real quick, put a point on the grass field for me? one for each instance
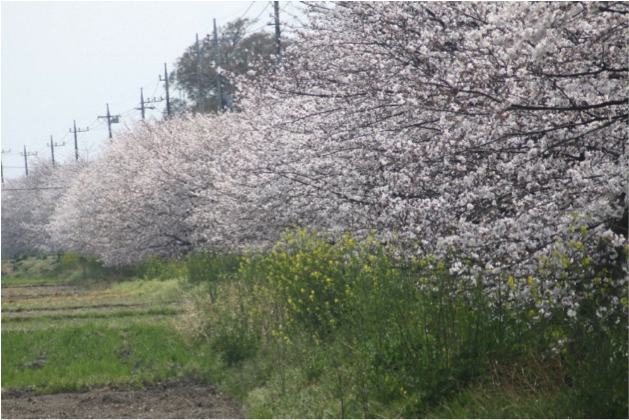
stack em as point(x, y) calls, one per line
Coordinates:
point(70, 335)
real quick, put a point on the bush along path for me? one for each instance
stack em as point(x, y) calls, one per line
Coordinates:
point(336, 327)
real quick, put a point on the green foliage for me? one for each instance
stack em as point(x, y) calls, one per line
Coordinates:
point(223, 322)
point(69, 260)
point(24, 255)
point(398, 326)
point(13, 271)
point(210, 266)
point(237, 50)
point(154, 268)
point(234, 342)
point(356, 330)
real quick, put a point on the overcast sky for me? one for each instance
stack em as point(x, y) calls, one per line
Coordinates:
point(64, 61)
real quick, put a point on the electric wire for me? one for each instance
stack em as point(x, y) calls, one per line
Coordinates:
point(247, 11)
point(255, 20)
point(99, 124)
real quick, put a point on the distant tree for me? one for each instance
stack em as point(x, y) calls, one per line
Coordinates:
point(238, 50)
point(161, 189)
point(28, 203)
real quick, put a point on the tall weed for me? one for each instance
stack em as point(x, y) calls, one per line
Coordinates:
point(360, 331)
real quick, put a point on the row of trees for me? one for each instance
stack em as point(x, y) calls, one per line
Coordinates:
point(495, 130)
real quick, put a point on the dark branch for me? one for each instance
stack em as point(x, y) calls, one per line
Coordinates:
point(571, 108)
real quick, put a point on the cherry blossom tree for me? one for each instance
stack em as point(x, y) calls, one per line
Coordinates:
point(29, 202)
point(162, 188)
point(484, 127)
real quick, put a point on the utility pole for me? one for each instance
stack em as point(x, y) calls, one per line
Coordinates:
point(148, 101)
point(278, 44)
point(26, 155)
point(111, 119)
point(200, 100)
point(165, 79)
point(2, 165)
point(76, 143)
point(52, 149)
point(217, 62)
point(142, 101)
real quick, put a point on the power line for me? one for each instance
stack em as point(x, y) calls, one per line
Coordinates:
point(253, 31)
point(129, 112)
point(247, 11)
point(96, 121)
point(263, 10)
point(64, 136)
point(97, 124)
point(156, 87)
point(231, 15)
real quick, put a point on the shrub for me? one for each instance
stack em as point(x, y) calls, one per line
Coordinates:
point(69, 260)
point(394, 324)
point(154, 268)
point(210, 266)
point(372, 333)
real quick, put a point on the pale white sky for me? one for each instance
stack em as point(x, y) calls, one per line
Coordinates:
point(64, 61)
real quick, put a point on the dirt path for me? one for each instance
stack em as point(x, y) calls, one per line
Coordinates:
point(176, 400)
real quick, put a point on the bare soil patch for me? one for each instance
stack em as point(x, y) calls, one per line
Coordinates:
point(176, 400)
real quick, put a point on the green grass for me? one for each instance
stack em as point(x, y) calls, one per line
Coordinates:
point(21, 307)
point(33, 281)
point(494, 403)
point(71, 359)
point(67, 315)
point(15, 272)
point(100, 331)
point(110, 323)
